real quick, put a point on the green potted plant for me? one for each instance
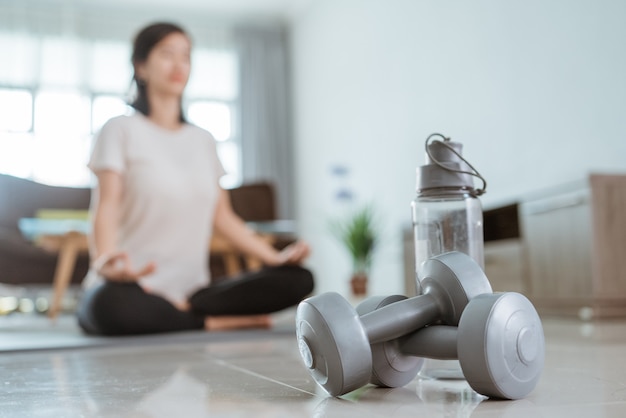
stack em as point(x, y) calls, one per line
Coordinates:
point(359, 236)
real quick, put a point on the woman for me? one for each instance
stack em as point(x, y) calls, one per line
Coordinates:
point(156, 205)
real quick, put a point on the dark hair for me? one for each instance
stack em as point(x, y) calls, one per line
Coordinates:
point(144, 42)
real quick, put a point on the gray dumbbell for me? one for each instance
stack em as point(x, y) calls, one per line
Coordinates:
point(334, 341)
point(499, 342)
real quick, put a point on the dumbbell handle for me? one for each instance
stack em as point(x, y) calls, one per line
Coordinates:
point(436, 342)
point(400, 318)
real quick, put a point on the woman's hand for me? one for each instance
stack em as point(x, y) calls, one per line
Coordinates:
point(295, 253)
point(234, 229)
point(117, 267)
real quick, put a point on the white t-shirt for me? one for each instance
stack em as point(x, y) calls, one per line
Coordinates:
point(170, 190)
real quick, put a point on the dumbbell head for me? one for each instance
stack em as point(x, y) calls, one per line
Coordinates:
point(453, 279)
point(333, 344)
point(501, 345)
point(499, 342)
point(390, 366)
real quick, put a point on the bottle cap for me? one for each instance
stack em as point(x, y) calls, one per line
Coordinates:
point(445, 167)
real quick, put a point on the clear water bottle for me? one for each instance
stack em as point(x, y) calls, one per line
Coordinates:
point(447, 216)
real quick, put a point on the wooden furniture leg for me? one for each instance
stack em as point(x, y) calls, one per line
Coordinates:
point(253, 263)
point(68, 251)
point(232, 257)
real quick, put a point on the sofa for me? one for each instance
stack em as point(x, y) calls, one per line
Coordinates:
point(23, 263)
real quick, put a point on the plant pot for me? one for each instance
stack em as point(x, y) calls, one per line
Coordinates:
point(358, 283)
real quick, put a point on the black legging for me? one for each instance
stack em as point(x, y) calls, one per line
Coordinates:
point(114, 308)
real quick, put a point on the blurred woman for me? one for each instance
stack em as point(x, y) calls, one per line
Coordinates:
point(156, 205)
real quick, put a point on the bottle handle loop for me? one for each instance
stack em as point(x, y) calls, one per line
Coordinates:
point(474, 172)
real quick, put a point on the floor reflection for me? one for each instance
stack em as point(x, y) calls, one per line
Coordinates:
point(584, 376)
point(449, 398)
point(181, 393)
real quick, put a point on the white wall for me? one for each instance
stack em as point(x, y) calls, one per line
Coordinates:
point(535, 89)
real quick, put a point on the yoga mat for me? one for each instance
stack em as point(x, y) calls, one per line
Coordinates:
point(22, 333)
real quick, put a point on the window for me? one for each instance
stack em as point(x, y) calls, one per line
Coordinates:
point(104, 107)
point(217, 118)
point(214, 75)
point(16, 108)
point(61, 113)
point(59, 92)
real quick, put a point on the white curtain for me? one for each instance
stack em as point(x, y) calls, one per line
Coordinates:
point(265, 118)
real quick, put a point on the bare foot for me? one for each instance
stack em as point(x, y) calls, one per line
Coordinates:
point(183, 306)
point(224, 323)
